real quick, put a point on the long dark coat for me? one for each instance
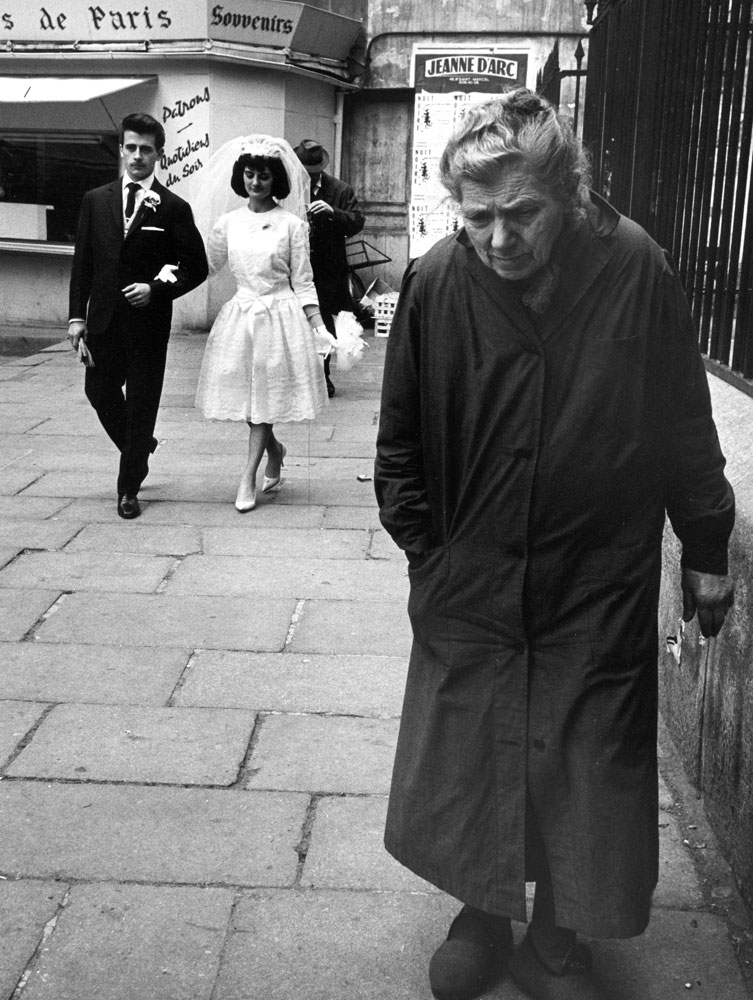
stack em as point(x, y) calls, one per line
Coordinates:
point(327, 237)
point(525, 463)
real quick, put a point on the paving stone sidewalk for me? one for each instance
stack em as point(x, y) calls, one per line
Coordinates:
point(198, 717)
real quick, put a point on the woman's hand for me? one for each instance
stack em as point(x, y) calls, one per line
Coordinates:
point(76, 332)
point(325, 342)
point(709, 595)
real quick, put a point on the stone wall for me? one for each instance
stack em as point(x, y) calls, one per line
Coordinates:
point(707, 697)
point(393, 28)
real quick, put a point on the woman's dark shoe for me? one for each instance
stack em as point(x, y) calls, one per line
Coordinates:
point(573, 982)
point(473, 957)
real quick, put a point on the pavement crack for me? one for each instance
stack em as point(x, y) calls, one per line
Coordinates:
point(33, 482)
point(303, 845)
point(47, 932)
point(245, 771)
point(229, 931)
point(27, 738)
point(370, 547)
point(295, 619)
point(29, 635)
point(179, 684)
point(173, 569)
point(18, 458)
point(74, 536)
point(14, 558)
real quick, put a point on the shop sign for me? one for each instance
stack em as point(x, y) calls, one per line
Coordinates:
point(61, 21)
point(261, 22)
point(264, 23)
point(279, 24)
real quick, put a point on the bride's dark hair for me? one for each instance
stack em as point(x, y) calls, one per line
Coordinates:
point(280, 182)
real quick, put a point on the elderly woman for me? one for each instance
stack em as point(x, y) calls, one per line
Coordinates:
point(544, 403)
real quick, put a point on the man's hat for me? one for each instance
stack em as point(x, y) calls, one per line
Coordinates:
point(312, 155)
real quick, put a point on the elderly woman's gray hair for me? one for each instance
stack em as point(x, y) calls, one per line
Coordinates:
point(520, 125)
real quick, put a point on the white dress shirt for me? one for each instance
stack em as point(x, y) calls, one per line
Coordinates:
point(144, 186)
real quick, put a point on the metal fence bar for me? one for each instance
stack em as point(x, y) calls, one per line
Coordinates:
point(727, 264)
point(664, 139)
point(669, 123)
point(742, 355)
point(703, 286)
point(675, 168)
point(687, 259)
point(631, 144)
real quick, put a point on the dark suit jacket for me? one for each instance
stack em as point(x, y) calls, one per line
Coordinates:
point(327, 236)
point(104, 262)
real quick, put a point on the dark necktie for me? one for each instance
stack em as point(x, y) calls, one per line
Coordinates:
point(131, 200)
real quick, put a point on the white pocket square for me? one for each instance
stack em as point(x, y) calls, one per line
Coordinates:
point(152, 229)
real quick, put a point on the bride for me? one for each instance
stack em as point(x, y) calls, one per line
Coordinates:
point(261, 363)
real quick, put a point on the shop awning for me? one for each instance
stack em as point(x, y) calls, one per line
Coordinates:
point(72, 89)
point(290, 34)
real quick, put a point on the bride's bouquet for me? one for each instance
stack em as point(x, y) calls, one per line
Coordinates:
point(350, 343)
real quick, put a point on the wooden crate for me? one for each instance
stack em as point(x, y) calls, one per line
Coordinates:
point(384, 310)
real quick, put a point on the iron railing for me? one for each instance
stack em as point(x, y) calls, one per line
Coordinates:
point(668, 121)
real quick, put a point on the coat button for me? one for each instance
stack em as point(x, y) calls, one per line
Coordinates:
point(539, 745)
point(523, 453)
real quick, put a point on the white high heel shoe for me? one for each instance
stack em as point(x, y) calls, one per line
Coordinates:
point(270, 483)
point(244, 504)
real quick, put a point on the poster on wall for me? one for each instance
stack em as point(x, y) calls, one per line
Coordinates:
point(447, 82)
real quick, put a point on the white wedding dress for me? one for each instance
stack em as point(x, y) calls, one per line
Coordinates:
point(260, 362)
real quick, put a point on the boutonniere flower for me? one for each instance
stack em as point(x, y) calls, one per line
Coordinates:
point(151, 200)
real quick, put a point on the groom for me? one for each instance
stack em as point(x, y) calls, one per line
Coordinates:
point(137, 249)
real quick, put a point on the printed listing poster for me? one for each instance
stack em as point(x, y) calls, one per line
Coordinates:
point(447, 82)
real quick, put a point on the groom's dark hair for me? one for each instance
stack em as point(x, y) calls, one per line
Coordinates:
point(143, 124)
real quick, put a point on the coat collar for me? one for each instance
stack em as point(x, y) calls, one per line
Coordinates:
point(581, 253)
point(326, 182)
point(503, 293)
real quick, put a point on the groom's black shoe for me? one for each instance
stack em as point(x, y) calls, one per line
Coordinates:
point(128, 507)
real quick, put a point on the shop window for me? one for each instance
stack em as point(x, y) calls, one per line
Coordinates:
point(43, 178)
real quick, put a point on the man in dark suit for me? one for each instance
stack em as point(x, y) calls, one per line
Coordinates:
point(334, 216)
point(137, 249)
